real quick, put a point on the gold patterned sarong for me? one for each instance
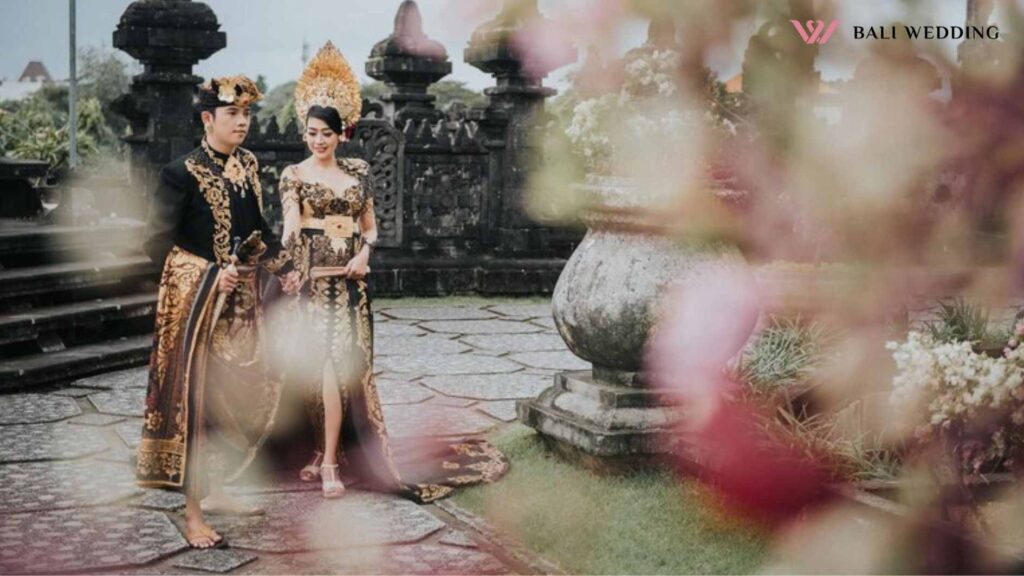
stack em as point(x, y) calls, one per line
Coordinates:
point(211, 400)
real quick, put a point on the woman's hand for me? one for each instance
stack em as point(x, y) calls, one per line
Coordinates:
point(291, 283)
point(358, 266)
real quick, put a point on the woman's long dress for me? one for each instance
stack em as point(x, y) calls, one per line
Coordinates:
point(337, 322)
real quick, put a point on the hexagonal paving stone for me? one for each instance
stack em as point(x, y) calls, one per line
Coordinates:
point(490, 386)
point(157, 499)
point(79, 540)
point(491, 353)
point(265, 485)
point(94, 419)
point(50, 485)
point(219, 561)
point(119, 454)
point(546, 323)
point(446, 364)
point(131, 432)
point(300, 521)
point(438, 313)
point(416, 345)
point(504, 410)
point(523, 310)
point(389, 329)
point(404, 421)
point(516, 342)
point(481, 327)
point(456, 402)
point(122, 402)
point(401, 392)
point(36, 408)
point(30, 442)
point(551, 360)
point(131, 378)
point(74, 392)
point(458, 538)
point(414, 559)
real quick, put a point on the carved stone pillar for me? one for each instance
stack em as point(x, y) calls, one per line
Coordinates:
point(514, 103)
point(168, 37)
point(408, 62)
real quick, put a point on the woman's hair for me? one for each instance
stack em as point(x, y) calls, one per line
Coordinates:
point(330, 117)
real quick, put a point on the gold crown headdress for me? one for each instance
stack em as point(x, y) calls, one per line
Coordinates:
point(328, 81)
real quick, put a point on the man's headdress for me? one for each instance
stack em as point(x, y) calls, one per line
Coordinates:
point(228, 91)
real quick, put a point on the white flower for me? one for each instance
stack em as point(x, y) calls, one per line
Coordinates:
point(957, 385)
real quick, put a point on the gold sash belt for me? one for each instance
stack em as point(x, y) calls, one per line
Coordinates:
point(334, 226)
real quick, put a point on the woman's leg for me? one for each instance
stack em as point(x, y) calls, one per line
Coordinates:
point(332, 414)
point(334, 408)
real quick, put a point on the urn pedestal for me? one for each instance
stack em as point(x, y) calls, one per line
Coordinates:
point(605, 306)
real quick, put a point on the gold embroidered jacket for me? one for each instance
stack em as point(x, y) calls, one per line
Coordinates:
point(203, 201)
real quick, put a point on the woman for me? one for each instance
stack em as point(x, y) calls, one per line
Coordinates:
point(330, 229)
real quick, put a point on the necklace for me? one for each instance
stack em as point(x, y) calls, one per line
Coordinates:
point(235, 173)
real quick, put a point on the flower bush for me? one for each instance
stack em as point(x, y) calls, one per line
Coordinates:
point(648, 105)
point(973, 400)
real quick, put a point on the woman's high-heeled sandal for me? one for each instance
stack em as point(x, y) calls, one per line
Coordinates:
point(311, 472)
point(332, 486)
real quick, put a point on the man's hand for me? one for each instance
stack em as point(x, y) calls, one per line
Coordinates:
point(291, 282)
point(228, 280)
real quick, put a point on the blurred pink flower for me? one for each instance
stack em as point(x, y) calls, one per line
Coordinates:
point(706, 322)
point(755, 474)
point(542, 46)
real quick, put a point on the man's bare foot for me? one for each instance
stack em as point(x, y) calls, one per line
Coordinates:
point(200, 535)
point(226, 505)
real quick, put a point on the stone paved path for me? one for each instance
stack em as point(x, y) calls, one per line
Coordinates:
point(68, 502)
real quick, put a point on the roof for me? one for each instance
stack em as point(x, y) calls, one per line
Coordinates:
point(734, 84)
point(35, 71)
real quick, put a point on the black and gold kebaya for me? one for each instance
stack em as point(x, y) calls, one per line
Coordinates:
point(336, 324)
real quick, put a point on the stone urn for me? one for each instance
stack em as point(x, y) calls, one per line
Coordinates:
point(605, 306)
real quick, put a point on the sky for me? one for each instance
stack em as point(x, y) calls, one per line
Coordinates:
point(266, 36)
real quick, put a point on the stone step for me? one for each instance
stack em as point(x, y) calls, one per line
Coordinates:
point(58, 367)
point(18, 282)
point(19, 238)
point(28, 325)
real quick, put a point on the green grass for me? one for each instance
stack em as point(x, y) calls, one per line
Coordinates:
point(960, 321)
point(646, 523)
point(785, 353)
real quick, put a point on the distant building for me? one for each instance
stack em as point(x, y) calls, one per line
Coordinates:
point(31, 79)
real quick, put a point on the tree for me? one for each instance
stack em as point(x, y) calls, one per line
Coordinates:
point(261, 85)
point(374, 90)
point(279, 104)
point(36, 127)
point(448, 91)
point(105, 77)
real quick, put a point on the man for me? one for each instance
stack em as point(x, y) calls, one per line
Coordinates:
point(211, 399)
